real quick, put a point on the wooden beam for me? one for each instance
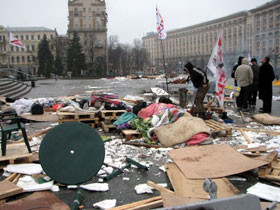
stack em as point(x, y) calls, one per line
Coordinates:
point(273, 133)
point(243, 117)
point(138, 203)
point(245, 136)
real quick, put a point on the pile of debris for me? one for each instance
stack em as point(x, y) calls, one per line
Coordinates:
point(143, 141)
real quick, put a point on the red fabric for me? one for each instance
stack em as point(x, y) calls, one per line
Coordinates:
point(198, 138)
point(94, 98)
point(153, 109)
point(57, 106)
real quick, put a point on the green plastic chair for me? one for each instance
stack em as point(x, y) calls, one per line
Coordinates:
point(7, 128)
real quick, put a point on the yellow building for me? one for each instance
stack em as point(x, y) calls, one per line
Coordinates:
point(88, 19)
point(24, 58)
point(254, 32)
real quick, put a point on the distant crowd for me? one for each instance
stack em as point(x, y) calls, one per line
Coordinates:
point(254, 80)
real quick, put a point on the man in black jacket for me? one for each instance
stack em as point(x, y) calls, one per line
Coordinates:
point(266, 77)
point(235, 67)
point(200, 81)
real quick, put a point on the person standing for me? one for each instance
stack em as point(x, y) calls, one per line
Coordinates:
point(244, 78)
point(266, 77)
point(200, 81)
point(235, 67)
point(254, 87)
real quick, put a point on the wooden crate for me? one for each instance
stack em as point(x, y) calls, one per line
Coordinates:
point(107, 128)
point(15, 153)
point(217, 127)
point(88, 118)
point(131, 134)
point(112, 114)
point(74, 116)
point(272, 170)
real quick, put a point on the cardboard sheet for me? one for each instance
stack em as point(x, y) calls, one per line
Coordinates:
point(194, 188)
point(38, 200)
point(46, 117)
point(212, 161)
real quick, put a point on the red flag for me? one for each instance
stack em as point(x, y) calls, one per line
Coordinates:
point(15, 41)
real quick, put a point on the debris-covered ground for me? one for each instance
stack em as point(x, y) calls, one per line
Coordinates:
point(130, 185)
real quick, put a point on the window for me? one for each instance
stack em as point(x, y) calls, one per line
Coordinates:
point(51, 36)
point(84, 9)
point(23, 59)
point(13, 59)
point(22, 37)
point(22, 49)
point(27, 48)
point(32, 37)
point(28, 59)
point(17, 59)
point(33, 48)
point(39, 37)
point(0, 37)
point(12, 49)
point(27, 37)
point(76, 12)
point(17, 49)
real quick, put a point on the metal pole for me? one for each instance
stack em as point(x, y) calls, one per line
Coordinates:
point(163, 58)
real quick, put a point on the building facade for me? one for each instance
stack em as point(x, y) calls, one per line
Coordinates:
point(253, 33)
point(88, 18)
point(24, 58)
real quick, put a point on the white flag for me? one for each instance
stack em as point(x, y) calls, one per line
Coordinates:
point(15, 41)
point(216, 65)
point(160, 26)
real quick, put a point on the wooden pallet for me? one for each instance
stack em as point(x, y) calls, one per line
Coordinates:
point(112, 114)
point(76, 116)
point(107, 128)
point(131, 134)
point(217, 127)
point(15, 153)
point(272, 170)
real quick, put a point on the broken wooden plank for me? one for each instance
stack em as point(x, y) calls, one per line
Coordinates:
point(273, 133)
point(143, 145)
point(131, 134)
point(158, 187)
point(138, 203)
point(243, 117)
point(246, 136)
point(8, 189)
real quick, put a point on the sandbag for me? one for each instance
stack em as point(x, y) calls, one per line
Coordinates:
point(182, 130)
point(267, 119)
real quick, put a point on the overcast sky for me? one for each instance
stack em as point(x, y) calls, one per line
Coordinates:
point(128, 19)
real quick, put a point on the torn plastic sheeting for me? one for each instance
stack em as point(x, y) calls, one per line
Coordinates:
point(29, 185)
point(266, 192)
point(28, 168)
point(98, 187)
point(106, 204)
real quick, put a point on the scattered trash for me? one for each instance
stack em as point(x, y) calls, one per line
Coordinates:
point(106, 204)
point(98, 187)
point(143, 188)
point(265, 191)
point(28, 168)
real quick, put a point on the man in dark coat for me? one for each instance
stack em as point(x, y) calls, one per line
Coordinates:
point(254, 88)
point(266, 77)
point(200, 81)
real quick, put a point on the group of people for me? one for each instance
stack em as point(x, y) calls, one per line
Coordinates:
point(254, 80)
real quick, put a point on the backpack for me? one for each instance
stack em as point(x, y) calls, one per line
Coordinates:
point(37, 109)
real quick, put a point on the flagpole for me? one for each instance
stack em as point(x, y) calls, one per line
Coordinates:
point(164, 67)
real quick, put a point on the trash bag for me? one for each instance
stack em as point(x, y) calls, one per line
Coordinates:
point(137, 108)
point(37, 109)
